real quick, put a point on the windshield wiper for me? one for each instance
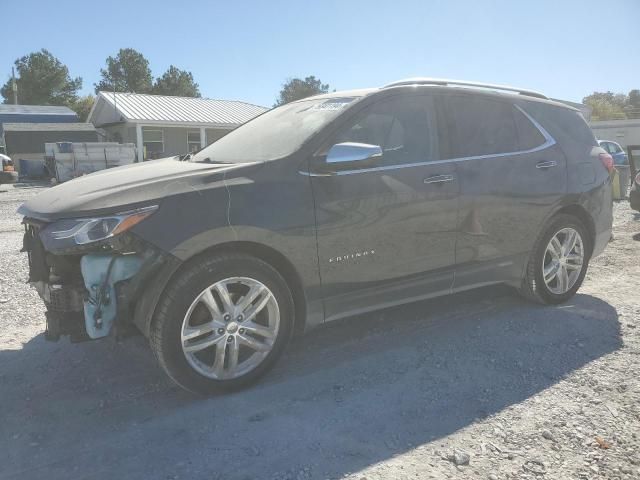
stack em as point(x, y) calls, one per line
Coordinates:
point(217, 162)
point(189, 157)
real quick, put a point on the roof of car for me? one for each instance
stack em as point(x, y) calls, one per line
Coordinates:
point(447, 82)
point(501, 91)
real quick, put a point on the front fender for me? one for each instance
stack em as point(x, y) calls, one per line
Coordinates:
point(298, 248)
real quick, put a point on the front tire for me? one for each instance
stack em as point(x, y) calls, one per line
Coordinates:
point(222, 323)
point(558, 264)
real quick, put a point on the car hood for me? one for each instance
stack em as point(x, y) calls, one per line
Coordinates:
point(118, 189)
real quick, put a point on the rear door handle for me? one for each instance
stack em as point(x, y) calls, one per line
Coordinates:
point(545, 165)
point(439, 179)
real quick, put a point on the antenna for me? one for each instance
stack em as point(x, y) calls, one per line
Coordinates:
point(14, 86)
point(115, 101)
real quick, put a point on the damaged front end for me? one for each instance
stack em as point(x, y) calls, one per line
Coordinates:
point(90, 272)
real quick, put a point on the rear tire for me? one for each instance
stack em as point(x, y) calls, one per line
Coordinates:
point(222, 323)
point(554, 274)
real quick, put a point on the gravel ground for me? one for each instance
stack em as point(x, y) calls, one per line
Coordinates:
point(480, 385)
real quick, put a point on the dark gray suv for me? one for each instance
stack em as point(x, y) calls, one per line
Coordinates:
point(320, 209)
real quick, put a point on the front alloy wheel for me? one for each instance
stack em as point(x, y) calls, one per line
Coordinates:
point(230, 328)
point(222, 322)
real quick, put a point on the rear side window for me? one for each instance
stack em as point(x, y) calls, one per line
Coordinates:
point(564, 125)
point(480, 126)
point(575, 126)
point(529, 136)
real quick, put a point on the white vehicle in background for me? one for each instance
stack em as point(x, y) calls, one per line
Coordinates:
point(7, 170)
point(66, 160)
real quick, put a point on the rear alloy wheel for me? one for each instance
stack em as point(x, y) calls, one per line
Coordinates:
point(222, 323)
point(563, 261)
point(558, 263)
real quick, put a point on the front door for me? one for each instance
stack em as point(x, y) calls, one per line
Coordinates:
point(386, 234)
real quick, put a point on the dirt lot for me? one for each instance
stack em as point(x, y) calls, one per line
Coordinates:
point(480, 385)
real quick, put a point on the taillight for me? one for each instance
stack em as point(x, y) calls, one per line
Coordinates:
point(638, 179)
point(607, 161)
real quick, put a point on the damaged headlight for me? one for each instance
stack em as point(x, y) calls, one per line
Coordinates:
point(68, 233)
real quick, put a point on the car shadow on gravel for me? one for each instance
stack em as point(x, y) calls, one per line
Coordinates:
point(343, 398)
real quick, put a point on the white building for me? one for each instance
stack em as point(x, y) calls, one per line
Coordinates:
point(163, 126)
point(624, 132)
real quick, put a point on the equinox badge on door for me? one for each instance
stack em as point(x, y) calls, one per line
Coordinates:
point(351, 256)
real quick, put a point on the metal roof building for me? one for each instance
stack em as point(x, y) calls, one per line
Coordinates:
point(163, 125)
point(26, 140)
point(48, 127)
point(24, 129)
point(36, 114)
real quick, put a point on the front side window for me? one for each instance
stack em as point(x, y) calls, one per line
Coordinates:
point(480, 126)
point(404, 127)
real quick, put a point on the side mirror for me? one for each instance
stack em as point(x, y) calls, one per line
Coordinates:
point(351, 156)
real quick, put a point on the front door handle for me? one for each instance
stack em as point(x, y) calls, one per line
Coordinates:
point(545, 165)
point(439, 179)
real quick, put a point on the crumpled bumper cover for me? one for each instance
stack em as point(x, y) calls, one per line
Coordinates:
point(101, 272)
point(90, 294)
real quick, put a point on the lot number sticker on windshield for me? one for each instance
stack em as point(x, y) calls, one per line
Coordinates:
point(333, 104)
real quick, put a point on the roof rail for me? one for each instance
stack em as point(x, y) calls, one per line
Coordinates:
point(445, 82)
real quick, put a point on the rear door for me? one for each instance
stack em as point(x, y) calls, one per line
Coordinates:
point(511, 175)
point(386, 234)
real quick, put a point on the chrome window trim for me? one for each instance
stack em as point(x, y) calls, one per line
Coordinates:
point(549, 141)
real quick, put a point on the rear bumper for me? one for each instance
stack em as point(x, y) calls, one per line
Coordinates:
point(601, 241)
point(601, 207)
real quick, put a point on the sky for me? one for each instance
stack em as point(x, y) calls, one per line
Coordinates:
point(246, 50)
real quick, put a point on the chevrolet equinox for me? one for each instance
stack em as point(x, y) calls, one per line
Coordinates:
point(320, 209)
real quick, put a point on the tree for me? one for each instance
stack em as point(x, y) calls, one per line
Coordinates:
point(83, 106)
point(127, 72)
point(176, 82)
point(606, 105)
point(295, 89)
point(42, 80)
point(604, 110)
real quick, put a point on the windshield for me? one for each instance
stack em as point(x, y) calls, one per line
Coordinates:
point(276, 133)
